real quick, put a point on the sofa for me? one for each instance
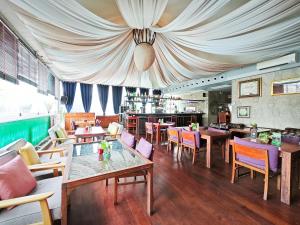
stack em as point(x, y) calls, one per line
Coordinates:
point(27, 209)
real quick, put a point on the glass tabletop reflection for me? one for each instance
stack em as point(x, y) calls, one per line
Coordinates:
point(85, 162)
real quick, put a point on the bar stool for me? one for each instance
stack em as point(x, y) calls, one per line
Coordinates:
point(132, 123)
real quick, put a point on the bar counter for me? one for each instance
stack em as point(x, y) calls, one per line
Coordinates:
point(182, 119)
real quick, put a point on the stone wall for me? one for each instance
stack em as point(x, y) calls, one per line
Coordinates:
point(267, 110)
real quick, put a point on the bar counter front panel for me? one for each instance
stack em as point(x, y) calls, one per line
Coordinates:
point(182, 119)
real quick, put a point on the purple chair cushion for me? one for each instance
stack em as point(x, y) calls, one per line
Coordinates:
point(128, 139)
point(188, 142)
point(216, 130)
point(272, 152)
point(145, 148)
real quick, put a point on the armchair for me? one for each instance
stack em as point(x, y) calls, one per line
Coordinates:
point(43, 203)
point(64, 140)
point(41, 198)
point(36, 163)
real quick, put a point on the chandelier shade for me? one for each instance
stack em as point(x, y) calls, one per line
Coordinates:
point(144, 54)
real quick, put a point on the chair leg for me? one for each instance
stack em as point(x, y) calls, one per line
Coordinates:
point(278, 182)
point(116, 191)
point(251, 174)
point(194, 155)
point(106, 182)
point(266, 186)
point(233, 173)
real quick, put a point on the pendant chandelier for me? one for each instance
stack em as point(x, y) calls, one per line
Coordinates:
point(144, 54)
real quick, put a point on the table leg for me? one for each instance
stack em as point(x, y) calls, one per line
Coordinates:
point(286, 178)
point(227, 151)
point(64, 205)
point(158, 135)
point(77, 139)
point(208, 152)
point(150, 191)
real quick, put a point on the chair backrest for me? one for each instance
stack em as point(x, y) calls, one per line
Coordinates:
point(52, 131)
point(174, 134)
point(149, 128)
point(152, 119)
point(271, 151)
point(216, 130)
point(145, 148)
point(190, 138)
point(128, 139)
point(6, 156)
point(120, 127)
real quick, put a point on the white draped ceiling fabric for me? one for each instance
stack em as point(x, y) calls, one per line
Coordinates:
point(200, 41)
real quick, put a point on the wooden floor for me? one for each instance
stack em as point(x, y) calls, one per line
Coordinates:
point(184, 194)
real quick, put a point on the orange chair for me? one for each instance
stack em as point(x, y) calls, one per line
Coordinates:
point(173, 138)
point(190, 140)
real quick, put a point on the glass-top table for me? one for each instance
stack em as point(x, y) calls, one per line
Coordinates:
point(83, 167)
point(85, 163)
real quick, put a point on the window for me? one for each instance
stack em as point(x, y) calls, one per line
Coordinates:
point(8, 52)
point(27, 65)
point(42, 78)
point(51, 84)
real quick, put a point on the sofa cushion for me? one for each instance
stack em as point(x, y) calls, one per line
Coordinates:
point(29, 154)
point(145, 148)
point(15, 179)
point(31, 212)
point(112, 129)
point(128, 139)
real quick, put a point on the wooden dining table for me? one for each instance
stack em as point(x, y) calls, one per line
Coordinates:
point(289, 153)
point(211, 137)
point(92, 132)
point(158, 127)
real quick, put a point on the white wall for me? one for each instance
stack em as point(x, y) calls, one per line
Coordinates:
point(269, 111)
point(25, 100)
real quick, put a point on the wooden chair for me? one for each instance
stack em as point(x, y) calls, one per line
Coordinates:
point(256, 157)
point(150, 131)
point(193, 119)
point(190, 140)
point(173, 138)
point(144, 148)
point(41, 198)
point(131, 123)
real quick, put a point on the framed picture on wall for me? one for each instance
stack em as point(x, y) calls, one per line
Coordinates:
point(243, 111)
point(250, 88)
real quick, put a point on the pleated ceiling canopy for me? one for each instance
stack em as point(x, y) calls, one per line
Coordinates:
point(91, 41)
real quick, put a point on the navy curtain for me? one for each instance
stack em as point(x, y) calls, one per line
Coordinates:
point(86, 96)
point(69, 89)
point(117, 97)
point(103, 96)
point(156, 92)
point(144, 91)
point(130, 90)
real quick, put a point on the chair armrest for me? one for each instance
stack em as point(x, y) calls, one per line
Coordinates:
point(23, 200)
point(54, 150)
point(46, 166)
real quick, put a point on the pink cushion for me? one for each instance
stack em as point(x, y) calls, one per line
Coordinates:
point(145, 148)
point(15, 179)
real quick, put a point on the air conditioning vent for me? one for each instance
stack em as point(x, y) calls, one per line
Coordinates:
point(287, 59)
